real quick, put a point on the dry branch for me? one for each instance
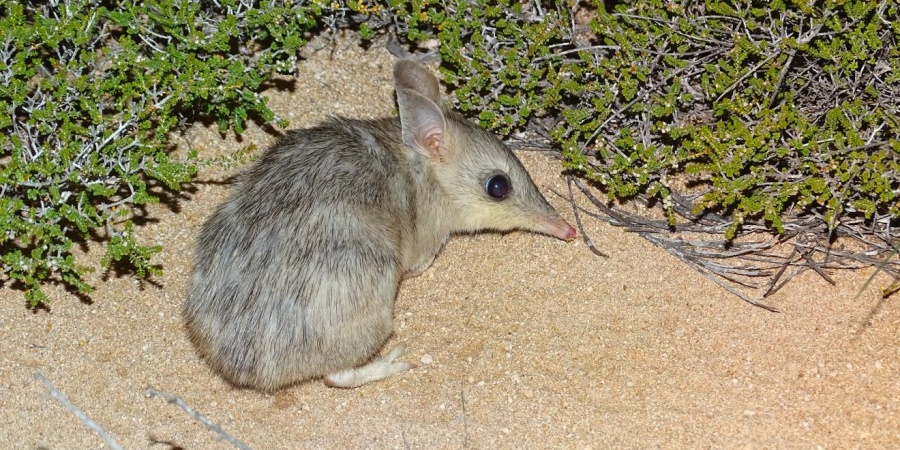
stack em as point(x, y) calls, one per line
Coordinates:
point(59, 396)
point(197, 416)
point(757, 264)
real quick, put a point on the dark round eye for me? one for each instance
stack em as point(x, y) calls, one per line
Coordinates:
point(497, 186)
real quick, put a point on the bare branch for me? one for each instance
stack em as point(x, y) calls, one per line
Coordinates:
point(150, 392)
point(59, 396)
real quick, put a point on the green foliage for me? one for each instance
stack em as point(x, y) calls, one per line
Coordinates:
point(771, 109)
point(90, 91)
point(766, 110)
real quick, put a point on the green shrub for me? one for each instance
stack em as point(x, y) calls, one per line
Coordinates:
point(737, 117)
point(758, 112)
point(90, 91)
point(773, 108)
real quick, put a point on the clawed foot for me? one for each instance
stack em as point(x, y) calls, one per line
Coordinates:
point(376, 370)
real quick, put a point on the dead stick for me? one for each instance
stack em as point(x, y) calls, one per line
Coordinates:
point(110, 442)
point(197, 416)
point(462, 396)
point(778, 275)
point(815, 266)
point(786, 280)
point(587, 239)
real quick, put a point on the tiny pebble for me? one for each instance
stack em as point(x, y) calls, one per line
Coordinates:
point(427, 359)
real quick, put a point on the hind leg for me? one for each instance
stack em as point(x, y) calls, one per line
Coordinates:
point(375, 370)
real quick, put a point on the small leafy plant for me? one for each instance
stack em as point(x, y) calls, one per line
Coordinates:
point(89, 92)
point(749, 116)
point(775, 106)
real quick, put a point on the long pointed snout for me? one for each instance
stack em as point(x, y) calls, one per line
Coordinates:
point(555, 226)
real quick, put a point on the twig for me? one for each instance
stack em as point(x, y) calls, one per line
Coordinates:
point(815, 266)
point(784, 71)
point(744, 76)
point(717, 279)
point(754, 256)
point(197, 416)
point(462, 396)
point(584, 236)
point(55, 393)
point(771, 289)
point(403, 435)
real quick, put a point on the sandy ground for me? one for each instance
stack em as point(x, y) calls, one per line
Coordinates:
point(522, 341)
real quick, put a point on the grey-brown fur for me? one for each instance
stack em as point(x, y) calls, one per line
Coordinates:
point(295, 275)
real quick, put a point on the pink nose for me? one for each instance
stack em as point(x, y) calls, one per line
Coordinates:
point(569, 235)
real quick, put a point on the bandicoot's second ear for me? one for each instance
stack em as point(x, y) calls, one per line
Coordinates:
point(421, 122)
point(411, 75)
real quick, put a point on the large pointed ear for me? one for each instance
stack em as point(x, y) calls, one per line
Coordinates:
point(411, 75)
point(421, 122)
